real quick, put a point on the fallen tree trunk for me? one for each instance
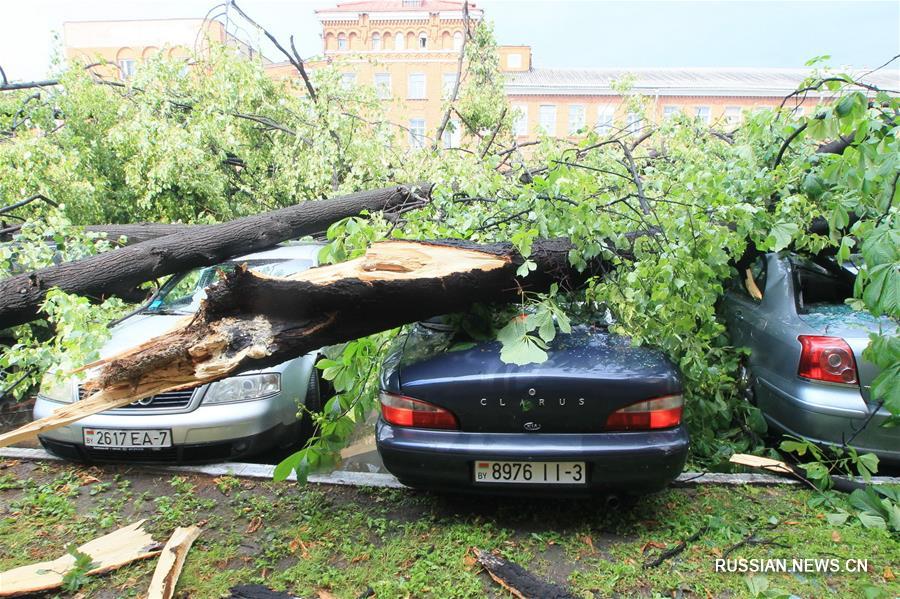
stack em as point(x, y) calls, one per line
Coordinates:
point(250, 321)
point(119, 271)
point(140, 232)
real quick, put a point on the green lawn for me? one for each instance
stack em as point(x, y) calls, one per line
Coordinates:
point(340, 541)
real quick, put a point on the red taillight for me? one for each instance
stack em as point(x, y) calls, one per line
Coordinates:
point(827, 359)
point(400, 410)
point(662, 412)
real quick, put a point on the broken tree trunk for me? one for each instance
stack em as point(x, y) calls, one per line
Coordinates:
point(119, 271)
point(250, 321)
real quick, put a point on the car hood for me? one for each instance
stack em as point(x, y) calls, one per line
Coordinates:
point(137, 329)
point(588, 374)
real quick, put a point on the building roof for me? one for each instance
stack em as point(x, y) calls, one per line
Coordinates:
point(398, 6)
point(763, 82)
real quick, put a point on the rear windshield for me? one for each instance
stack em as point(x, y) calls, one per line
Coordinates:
point(819, 284)
point(182, 294)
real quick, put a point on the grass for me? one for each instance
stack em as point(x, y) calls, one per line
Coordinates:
point(312, 540)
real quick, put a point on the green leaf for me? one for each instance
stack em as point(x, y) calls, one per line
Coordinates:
point(287, 465)
point(837, 518)
point(870, 520)
point(526, 350)
point(780, 235)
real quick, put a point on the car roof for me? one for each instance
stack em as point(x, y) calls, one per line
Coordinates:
point(286, 251)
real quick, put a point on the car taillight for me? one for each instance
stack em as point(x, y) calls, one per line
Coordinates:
point(400, 410)
point(827, 359)
point(662, 412)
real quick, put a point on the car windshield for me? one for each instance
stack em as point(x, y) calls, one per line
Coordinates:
point(182, 294)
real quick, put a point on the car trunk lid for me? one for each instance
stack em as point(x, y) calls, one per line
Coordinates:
point(589, 374)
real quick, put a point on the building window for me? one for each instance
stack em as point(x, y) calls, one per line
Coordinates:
point(448, 83)
point(576, 118)
point(399, 41)
point(127, 67)
point(605, 114)
point(417, 133)
point(412, 3)
point(670, 112)
point(383, 85)
point(423, 40)
point(342, 41)
point(633, 122)
point(514, 61)
point(547, 118)
point(733, 115)
point(416, 86)
point(702, 113)
point(347, 80)
point(376, 41)
point(457, 40)
point(452, 135)
point(520, 126)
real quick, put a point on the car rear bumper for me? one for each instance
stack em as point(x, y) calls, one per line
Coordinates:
point(829, 415)
point(632, 462)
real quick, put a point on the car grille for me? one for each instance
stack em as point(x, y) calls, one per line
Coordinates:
point(167, 400)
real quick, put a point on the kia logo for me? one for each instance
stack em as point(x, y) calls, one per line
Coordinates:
point(532, 426)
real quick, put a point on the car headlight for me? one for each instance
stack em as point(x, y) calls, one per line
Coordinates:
point(243, 388)
point(57, 388)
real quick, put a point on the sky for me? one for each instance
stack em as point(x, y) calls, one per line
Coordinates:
point(562, 33)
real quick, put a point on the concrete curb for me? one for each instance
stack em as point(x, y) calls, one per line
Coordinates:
point(382, 480)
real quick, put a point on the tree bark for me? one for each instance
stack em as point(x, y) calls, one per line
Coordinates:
point(118, 272)
point(249, 322)
point(140, 232)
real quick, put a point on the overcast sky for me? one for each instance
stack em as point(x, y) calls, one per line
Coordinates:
point(563, 33)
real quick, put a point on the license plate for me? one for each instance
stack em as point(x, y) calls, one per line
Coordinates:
point(127, 438)
point(542, 473)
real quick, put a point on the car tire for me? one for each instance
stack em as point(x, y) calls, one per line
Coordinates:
point(312, 403)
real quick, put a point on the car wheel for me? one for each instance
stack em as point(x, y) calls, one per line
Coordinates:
point(312, 403)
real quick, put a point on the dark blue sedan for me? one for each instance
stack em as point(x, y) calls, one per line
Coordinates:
point(598, 416)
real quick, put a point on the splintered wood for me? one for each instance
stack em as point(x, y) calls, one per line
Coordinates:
point(107, 553)
point(171, 561)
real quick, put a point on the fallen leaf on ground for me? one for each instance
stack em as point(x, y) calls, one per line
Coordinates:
point(650, 544)
point(888, 573)
point(254, 525)
point(835, 536)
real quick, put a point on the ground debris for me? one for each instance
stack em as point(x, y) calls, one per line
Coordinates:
point(517, 580)
point(257, 591)
point(107, 553)
point(171, 561)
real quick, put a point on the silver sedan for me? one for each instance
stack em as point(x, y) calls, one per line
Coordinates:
point(806, 372)
point(232, 418)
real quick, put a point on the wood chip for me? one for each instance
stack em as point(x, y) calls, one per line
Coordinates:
point(108, 552)
point(168, 569)
point(755, 461)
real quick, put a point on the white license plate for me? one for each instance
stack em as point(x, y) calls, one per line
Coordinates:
point(127, 438)
point(541, 473)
